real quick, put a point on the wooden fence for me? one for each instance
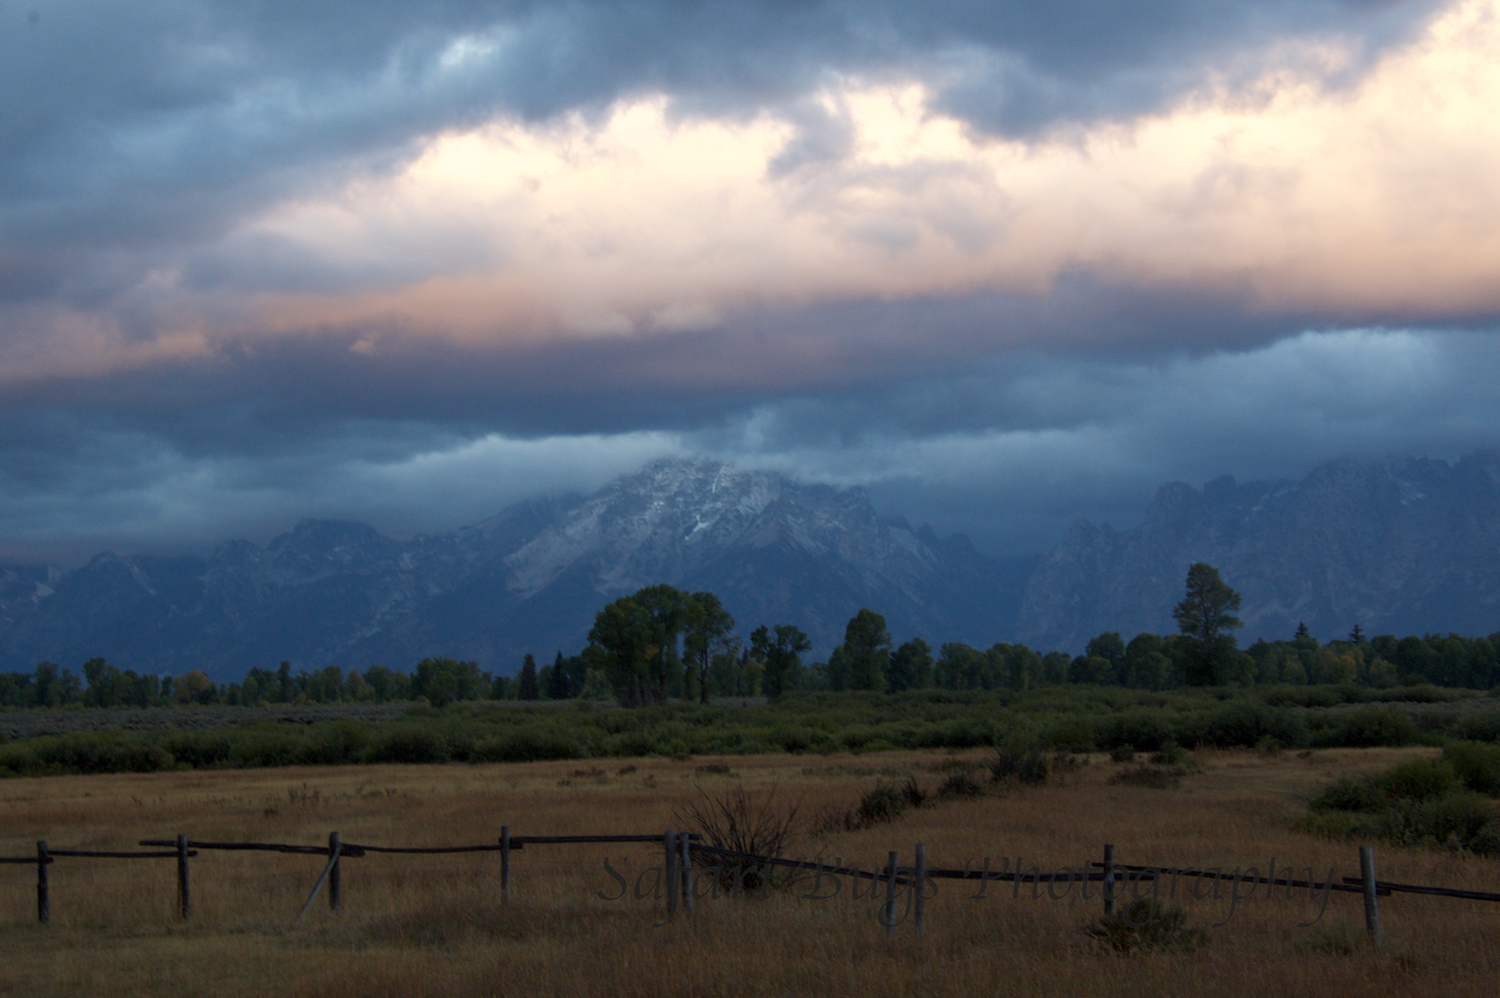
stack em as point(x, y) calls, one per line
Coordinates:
point(679, 874)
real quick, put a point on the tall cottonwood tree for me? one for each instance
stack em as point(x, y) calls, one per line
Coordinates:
point(638, 637)
point(860, 662)
point(910, 666)
point(781, 650)
point(708, 627)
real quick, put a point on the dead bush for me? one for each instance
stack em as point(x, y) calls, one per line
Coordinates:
point(741, 822)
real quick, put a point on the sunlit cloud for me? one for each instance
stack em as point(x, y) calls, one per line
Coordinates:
point(1380, 199)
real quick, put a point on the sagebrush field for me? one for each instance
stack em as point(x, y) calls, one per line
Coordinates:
point(420, 925)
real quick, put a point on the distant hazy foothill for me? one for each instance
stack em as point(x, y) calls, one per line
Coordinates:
point(1400, 547)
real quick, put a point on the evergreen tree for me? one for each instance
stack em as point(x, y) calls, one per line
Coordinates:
point(1206, 618)
point(526, 688)
point(559, 687)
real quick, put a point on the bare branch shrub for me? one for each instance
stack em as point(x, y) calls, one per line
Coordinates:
point(741, 822)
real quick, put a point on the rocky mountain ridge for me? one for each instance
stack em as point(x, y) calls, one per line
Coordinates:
point(529, 579)
point(1404, 546)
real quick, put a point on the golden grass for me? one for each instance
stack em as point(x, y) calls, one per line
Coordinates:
point(434, 925)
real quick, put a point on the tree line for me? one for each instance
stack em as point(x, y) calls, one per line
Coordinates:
point(662, 643)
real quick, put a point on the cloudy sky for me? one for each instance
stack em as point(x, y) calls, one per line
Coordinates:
point(1004, 263)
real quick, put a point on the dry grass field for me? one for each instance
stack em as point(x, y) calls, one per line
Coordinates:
point(428, 925)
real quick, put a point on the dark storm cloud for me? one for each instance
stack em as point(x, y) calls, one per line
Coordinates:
point(139, 125)
point(134, 137)
point(1016, 448)
point(255, 392)
point(835, 371)
point(1008, 449)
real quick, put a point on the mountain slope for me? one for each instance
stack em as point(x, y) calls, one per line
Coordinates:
point(1400, 547)
point(529, 579)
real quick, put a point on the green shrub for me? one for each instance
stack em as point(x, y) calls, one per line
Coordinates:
point(1415, 803)
point(334, 743)
point(200, 749)
point(1138, 727)
point(1486, 842)
point(796, 740)
point(884, 803)
point(1476, 764)
point(1483, 727)
point(632, 743)
point(1170, 754)
point(87, 752)
point(265, 745)
point(1453, 820)
point(1122, 753)
point(1017, 764)
point(1350, 793)
point(1310, 696)
point(1376, 724)
point(408, 744)
point(1418, 780)
point(1245, 724)
point(527, 746)
point(1420, 693)
point(1458, 816)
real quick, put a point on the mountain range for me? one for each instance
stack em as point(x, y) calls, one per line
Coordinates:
point(1399, 546)
point(1403, 546)
point(528, 580)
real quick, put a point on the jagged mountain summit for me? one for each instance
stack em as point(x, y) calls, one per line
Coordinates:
point(529, 579)
point(1399, 547)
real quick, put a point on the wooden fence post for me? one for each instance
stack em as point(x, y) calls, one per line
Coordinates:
point(43, 901)
point(918, 901)
point(183, 902)
point(333, 859)
point(1372, 907)
point(1109, 879)
point(685, 866)
point(669, 874)
point(505, 864)
point(890, 896)
point(333, 874)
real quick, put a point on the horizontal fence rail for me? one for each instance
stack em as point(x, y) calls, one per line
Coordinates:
point(344, 850)
point(1156, 872)
point(679, 850)
point(1386, 887)
point(809, 865)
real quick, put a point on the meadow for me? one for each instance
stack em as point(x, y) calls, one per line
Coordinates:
point(1074, 717)
point(435, 925)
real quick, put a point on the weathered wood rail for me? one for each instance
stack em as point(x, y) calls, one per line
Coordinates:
point(679, 873)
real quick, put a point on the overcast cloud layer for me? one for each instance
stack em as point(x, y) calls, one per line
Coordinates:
point(1006, 264)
